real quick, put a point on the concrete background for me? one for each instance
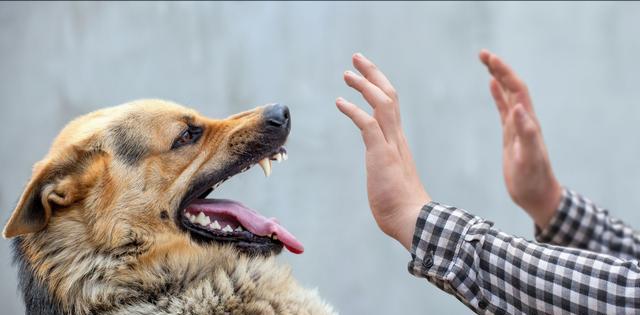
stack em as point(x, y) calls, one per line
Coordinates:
point(60, 60)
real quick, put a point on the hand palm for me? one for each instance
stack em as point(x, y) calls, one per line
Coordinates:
point(526, 169)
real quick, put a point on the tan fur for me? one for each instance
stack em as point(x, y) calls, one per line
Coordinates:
point(92, 226)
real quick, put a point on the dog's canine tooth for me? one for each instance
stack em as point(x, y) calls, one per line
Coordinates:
point(278, 157)
point(284, 156)
point(227, 229)
point(266, 166)
point(191, 217)
point(215, 225)
point(274, 236)
point(239, 229)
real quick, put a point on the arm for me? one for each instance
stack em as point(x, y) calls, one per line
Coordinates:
point(579, 223)
point(561, 217)
point(460, 253)
point(495, 273)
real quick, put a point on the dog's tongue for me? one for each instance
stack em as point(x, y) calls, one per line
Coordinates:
point(249, 219)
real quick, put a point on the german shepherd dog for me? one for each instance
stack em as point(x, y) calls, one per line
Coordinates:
point(114, 219)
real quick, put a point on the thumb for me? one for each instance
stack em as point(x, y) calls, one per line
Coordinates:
point(526, 129)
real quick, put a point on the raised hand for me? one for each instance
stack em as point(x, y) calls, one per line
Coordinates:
point(527, 170)
point(395, 192)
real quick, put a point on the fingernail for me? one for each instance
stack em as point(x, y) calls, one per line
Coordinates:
point(339, 100)
point(358, 55)
point(349, 73)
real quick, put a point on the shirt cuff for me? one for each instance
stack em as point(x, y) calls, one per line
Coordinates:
point(567, 224)
point(439, 234)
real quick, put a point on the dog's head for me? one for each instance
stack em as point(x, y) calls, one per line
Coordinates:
point(139, 172)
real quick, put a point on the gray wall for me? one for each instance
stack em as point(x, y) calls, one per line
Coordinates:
point(59, 60)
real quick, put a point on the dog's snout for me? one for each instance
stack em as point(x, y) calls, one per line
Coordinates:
point(277, 115)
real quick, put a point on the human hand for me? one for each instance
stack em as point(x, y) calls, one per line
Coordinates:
point(527, 170)
point(395, 192)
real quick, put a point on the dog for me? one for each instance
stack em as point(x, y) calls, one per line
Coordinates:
point(114, 219)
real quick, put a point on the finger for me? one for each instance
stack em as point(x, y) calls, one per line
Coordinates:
point(382, 104)
point(505, 75)
point(484, 56)
point(370, 71)
point(525, 127)
point(500, 99)
point(514, 89)
point(508, 131)
point(371, 132)
point(374, 95)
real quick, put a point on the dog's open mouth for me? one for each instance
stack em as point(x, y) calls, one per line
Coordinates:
point(230, 221)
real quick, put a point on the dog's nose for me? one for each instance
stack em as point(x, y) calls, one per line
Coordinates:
point(277, 115)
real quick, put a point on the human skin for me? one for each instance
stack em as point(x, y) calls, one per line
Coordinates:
point(395, 191)
point(527, 170)
point(396, 194)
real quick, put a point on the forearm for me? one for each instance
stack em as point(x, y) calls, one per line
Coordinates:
point(579, 223)
point(492, 272)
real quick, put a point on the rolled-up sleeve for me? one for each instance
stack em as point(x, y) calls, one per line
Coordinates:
point(495, 273)
point(580, 223)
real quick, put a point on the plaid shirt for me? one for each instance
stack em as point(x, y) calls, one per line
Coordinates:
point(584, 262)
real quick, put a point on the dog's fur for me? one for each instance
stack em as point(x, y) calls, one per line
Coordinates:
point(95, 230)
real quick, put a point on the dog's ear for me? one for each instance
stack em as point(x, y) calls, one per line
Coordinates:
point(55, 183)
point(33, 210)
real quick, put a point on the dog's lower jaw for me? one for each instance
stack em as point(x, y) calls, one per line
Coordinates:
point(214, 280)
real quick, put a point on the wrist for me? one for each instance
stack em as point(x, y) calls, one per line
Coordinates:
point(544, 213)
point(403, 229)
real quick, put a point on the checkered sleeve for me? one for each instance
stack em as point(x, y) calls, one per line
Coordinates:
point(496, 273)
point(579, 223)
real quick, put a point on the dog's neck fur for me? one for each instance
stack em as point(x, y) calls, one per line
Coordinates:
point(61, 273)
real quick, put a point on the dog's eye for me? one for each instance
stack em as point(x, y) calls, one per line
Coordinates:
point(188, 136)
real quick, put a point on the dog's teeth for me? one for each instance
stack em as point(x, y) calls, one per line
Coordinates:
point(191, 217)
point(278, 157)
point(274, 236)
point(202, 219)
point(284, 155)
point(215, 225)
point(239, 229)
point(266, 166)
point(227, 229)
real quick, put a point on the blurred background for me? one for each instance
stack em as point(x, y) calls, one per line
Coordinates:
point(61, 60)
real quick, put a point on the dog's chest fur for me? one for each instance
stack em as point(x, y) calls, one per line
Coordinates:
point(227, 286)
